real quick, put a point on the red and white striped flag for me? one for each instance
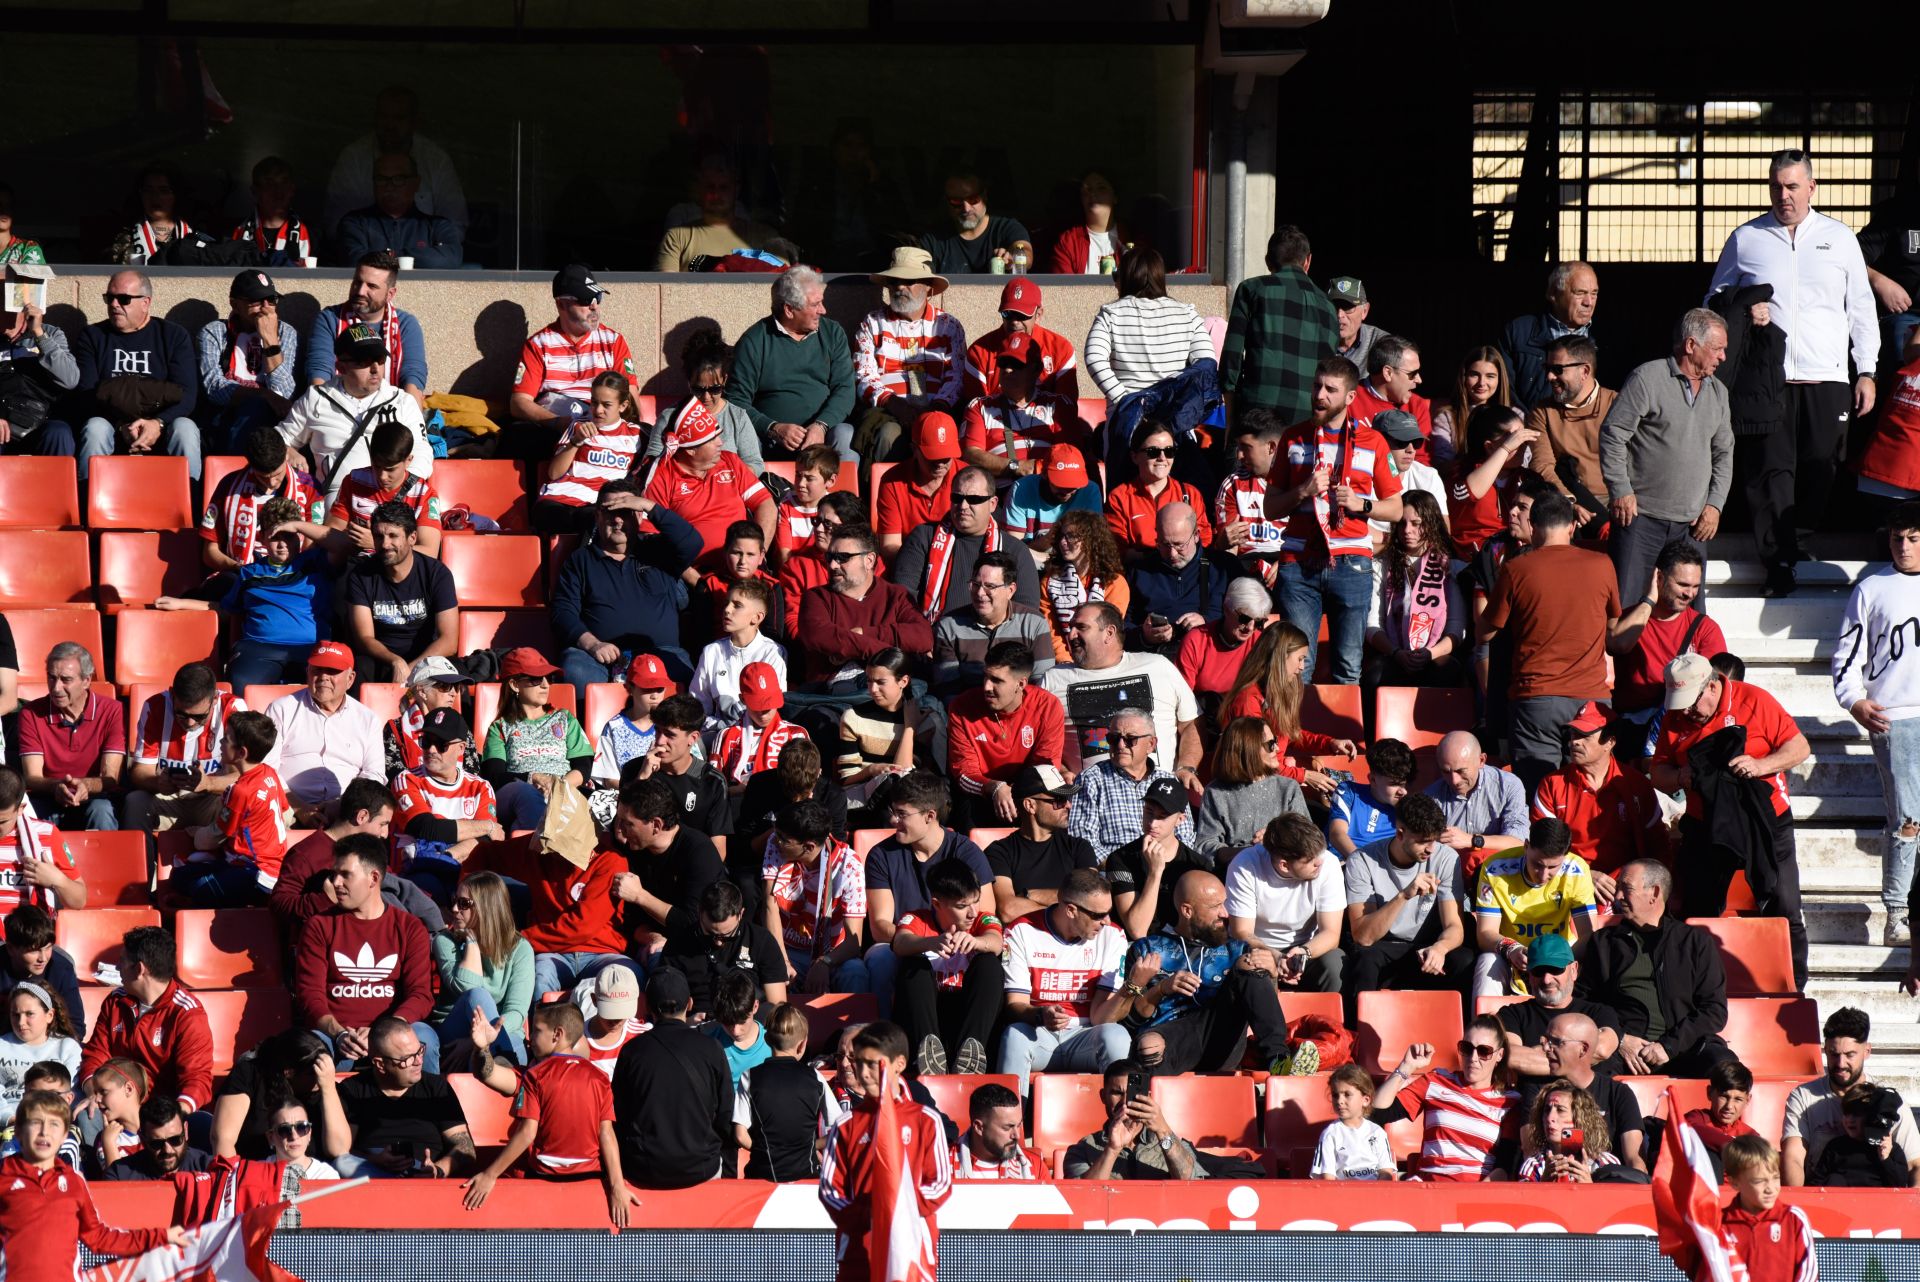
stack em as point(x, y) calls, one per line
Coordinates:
point(233, 1249)
point(899, 1246)
point(1686, 1205)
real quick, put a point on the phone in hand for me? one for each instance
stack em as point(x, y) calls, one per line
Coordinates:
point(1157, 620)
point(1139, 1085)
point(1575, 1143)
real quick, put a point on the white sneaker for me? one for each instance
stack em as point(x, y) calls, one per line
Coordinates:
point(1898, 934)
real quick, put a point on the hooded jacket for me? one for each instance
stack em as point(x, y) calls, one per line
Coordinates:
point(1754, 371)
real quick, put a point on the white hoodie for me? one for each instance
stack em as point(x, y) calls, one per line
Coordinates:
point(1879, 654)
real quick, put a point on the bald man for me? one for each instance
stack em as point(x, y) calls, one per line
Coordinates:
point(1569, 1046)
point(1198, 990)
point(1485, 808)
point(1180, 586)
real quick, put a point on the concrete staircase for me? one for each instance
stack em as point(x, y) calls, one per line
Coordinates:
point(1788, 645)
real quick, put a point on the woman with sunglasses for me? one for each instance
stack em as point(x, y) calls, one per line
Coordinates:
point(1247, 790)
point(39, 1028)
point(1268, 686)
point(1470, 1115)
point(293, 1064)
point(1083, 566)
point(484, 964)
point(1417, 620)
point(1482, 381)
point(290, 1136)
point(707, 363)
point(532, 745)
point(1133, 507)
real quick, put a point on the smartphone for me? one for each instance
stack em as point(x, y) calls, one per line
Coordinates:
point(1139, 1085)
point(1157, 620)
point(1575, 1144)
point(402, 1148)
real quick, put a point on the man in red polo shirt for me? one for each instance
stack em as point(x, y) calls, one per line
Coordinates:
point(73, 744)
point(1393, 372)
point(1000, 728)
point(710, 488)
point(917, 493)
point(1020, 313)
point(1699, 704)
point(1332, 476)
point(1011, 432)
point(1614, 814)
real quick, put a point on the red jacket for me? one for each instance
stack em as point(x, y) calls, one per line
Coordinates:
point(572, 910)
point(45, 1215)
point(171, 1040)
point(846, 1176)
point(230, 1186)
point(982, 745)
point(1777, 1245)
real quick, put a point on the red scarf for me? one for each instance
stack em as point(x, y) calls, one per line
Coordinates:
point(390, 330)
point(291, 230)
point(241, 351)
point(150, 241)
point(940, 564)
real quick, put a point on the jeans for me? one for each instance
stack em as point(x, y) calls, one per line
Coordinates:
point(429, 1044)
point(220, 885)
point(582, 669)
point(258, 664)
point(521, 806)
point(881, 965)
point(1341, 591)
point(1029, 1048)
point(559, 972)
point(1897, 753)
point(180, 438)
point(54, 439)
point(456, 1031)
point(93, 815)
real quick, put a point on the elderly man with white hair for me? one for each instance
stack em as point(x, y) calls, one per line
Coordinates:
point(1107, 811)
point(1209, 658)
point(793, 371)
point(1485, 807)
point(1180, 586)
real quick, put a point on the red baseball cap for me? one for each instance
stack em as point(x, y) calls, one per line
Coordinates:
point(646, 672)
point(331, 656)
point(1066, 468)
point(1592, 715)
point(760, 688)
point(525, 661)
point(937, 437)
point(1021, 296)
point(1019, 349)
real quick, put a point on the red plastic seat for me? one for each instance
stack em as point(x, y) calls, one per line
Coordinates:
point(1755, 952)
point(37, 631)
point(874, 477)
point(381, 697)
point(847, 480)
point(152, 645)
point(953, 1092)
point(488, 487)
point(647, 404)
point(486, 704)
point(92, 998)
point(1492, 1005)
point(984, 837)
point(604, 699)
point(864, 839)
point(1766, 1104)
point(228, 948)
point(139, 566)
point(93, 935)
point(1332, 710)
point(215, 469)
point(1093, 410)
point(495, 571)
point(828, 1012)
point(1420, 718)
point(38, 493)
point(114, 866)
point(1299, 1005)
point(1213, 1113)
point(1739, 895)
point(242, 1018)
point(1649, 1090)
point(45, 568)
point(1775, 1036)
point(1297, 1109)
point(1391, 1021)
point(1066, 1108)
point(505, 630)
point(258, 697)
point(138, 492)
point(489, 1113)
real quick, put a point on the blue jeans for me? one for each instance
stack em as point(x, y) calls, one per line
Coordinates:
point(429, 1044)
point(582, 669)
point(881, 965)
point(521, 806)
point(229, 426)
point(54, 439)
point(1030, 1049)
point(1341, 591)
point(93, 815)
point(456, 1031)
point(257, 664)
point(559, 972)
point(180, 438)
point(220, 885)
point(1897, 753)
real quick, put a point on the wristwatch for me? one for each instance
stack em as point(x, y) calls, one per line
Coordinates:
point(270, 351)
point(1166, 1143)
point(1366, 507)
point(1134, 990)
point(1479, 842)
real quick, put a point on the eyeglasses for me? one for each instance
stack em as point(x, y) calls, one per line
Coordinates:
point(177, 1140)
point(125, 300)
point(1128, 740)
point(1406, 373)
point(1476, 1050)
point(841, 558)
point(1560, 1043)
point(293, 1130)
point(989, 587)
point(402, 1061)
point(971, 499)
point(1156, 451)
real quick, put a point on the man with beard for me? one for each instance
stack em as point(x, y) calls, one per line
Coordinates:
point(993, 1150)
point(908, 356)
point(978, 237)
point(371, 301)
point(1573, 291)
point(1569, 418)
point(853, 615)
point(401, 605)
point(1198, 990)
point(1813, 1109)
point(936, 560)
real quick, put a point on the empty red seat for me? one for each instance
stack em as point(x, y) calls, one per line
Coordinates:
point(1295, 1005)
point(1213, 1113)
point(1391, 1021)
point(45, 568)
point(827, 1013)
point(505, 630)
point(1297, 1110)
point(486, 704)
point(138, 492)
point(1093, 410)
point(1755, 952)
point(495, 571)
point(1775, 1036)
point(877, 474)
point(489, 1113)
point(38, 493)
point(215, 469)
point(1066, 1108)
point(258, 697)
point(604, 699)
point(114, 866)
point(139, 566)
point(228, 948)
point(953, 1092)
point(865, 838)
point(1420, 718)
point(92, 935)
point(487, 487)
point(381, 697)
point(984, 837)
point(242, 1018)
point(1332, 710)
point(1649, 1090)
point(37, 631)
point(152, 645)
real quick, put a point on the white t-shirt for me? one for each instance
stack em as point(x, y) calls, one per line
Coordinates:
point(1093, 697)
point(1058, 972)
point(1813, 1116)
point(1283, 910)
point(1352, 1152)
point(1099, 245)
point(716, 681)
point(16, 1058)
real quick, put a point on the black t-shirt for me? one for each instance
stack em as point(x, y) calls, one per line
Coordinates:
point(9, 656)
point(677, 875)
point(1039, 865)
point(247, 1079)
point(140, 1165)
point(702, 794)
point(1127, 872)
point(952, 254)
point(703, 960)
point(421, 1117)
point(1528, 1021)
point(403, 612)
point(1890, 242)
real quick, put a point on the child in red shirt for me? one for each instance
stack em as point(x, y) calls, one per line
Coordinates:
point(390, 454)
point(1774, 1240)
point(252, 828)
point(1729, 1091)
point(815, 469)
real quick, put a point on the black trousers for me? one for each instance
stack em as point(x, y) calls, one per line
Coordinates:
point(1704, 885)
point(1395, 963)
point(1787, 474)
point(924, 1009)
point(1214, 1038)
point(1698, 1061)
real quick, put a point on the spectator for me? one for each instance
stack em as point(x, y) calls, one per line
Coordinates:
point(1279, 329)
point(731, 1023)
point(39, 1029)
point(1141, 340)
point(605, 446)
point(1880, 695)
point(709, 487)
point(1348, 294)
point(719, 230)
point(1483, 380)
point(1392, 373)
point(1134, 506)
point(921, 489)
point(1700, 703)
point(44, 1230)
point(366, 806)
point(1063, 984)
point(395, 223)
point(275, 607)
point(1020, 314)
point(717, 677)
point(334, 419)
point(697, 787)
point(1815, 1109)
point(670, 863)
point(1666, 451)
point(1269, 688)
point(573, 929)
point(1560, 606)
point(1613, 814)
point(1210, 658)
point(799, 777)
point(273, 229)
point(402, 605)
point(14, 251)
point(1137, 1143)
point(1286, 895)
point(1671, 1025)
point(1493, 661)
point(1092, 248)
point(936, 560)
point(617, 596)
point(30, 957)
point(993, 1148)
point(154, 1022)
point(559, 363)
point(290, 1069)
point(1573, 291)
point(1359, 816)
point(672, 1096)
point(1569, 1046)
point(908, 356)
point(230, 527)
point(999, 730)
point(898, 866)
point(1199, 1002)
point(396, 118)
point(1145, 871)
point(290, 1138)
point(1082, 568)
point(1499, 452)
point(1553, 977)
point(950, 979)
point(138, 382)
point(815, 901)
point(1486, 810)
point(1544, 890)
point(793, 369)
point(978, 236)
point(370, 305)
point(1403, 908)
point(165, 1151)
point(532, 747)
point(752, 744)
point(783, 1104)
point(1568, 422)
point(159, 225)
point(235, 860)
point(443, 811)
point(1011, 430)
point(853, 616)
point(815, 473)
point(962, 637)
point(1729, 1090)
point(1103, 679)
point(432, 684)
point(1565, 1138)
point(37, 367)
point(1416, 627)
point(1863, 1157)
point(247, 363)
point(1247, 789)
point(1032, 862)
point(1111, 789)
point(1177, 590)
point(115, 1090)
point(1466, 1116)
point(73, 744)
point(629, 734)
point(882, 738)
point(175, 775)
point(1827, 309)
point(1405, 443)
point(1669, 621)
point(1352, 1146)
point(708, 364)
point(1890, 260)
point(1034, 507)
point(405, 1119)
point(362, 961)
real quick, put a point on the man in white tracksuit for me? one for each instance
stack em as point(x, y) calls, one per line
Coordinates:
point(334, 421)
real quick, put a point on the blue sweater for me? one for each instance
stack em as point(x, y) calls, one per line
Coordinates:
point(633, 603)
point(160, 349)
point(1199, 587)
point(431, 241)
point(283, 605)
point(317, 361)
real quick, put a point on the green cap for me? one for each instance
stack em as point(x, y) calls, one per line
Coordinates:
point(1550, 952)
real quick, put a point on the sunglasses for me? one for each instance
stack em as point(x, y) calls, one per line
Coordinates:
point(540, 680)
point(972, 499)
point(1128, 740)
point(1089, 913)
point(1270, 744)
point(178, 1140)
point(1546, 970)
point(1156, 451)
point(1474, 1050)
point(463, 903)
point(1235, 619)
point(293, 1130)
point(841, 558)
point(712, 389)
point(125, 300)
point(1561, 369)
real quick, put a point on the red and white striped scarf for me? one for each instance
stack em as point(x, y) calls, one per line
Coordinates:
point(292, 232)
point(390, 330)
point(940, 564)
point(1067, 592)
point(150, 241)
point(242, 351)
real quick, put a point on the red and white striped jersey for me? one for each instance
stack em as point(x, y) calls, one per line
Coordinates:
point(360, 494)
point(171, 743)
point(817, 902)
point(1020, 432)
point(551, 362)
point(895, 357)
point(231, 519)
point(418, 793)
point(604, 1054)
point(794, 529)
point(43, 841)
point(1058, 972)
point(1243, 498)
point(745, 749)
point(1358, 457)
point(605, 454)
point(948, 972)
point(1057, 364)
point(255, 820)
point(1462, 1124)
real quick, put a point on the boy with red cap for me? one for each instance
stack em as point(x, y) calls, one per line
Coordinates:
point(629, 732)
point(1010, 432)
point(753, 743)
point(1020, 313)
point(708, 486)
point(1036, 503)
point(917, 492)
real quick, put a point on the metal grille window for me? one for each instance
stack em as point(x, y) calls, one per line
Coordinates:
point(1619, 176)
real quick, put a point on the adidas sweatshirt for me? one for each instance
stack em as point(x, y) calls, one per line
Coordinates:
point(1879, 653)
point(358, 970)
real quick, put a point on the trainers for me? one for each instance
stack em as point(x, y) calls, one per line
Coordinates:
point(971, 1057)
point(1306, 1059)
point(1897, 934)
point(933, 1057)
point(1780, 581)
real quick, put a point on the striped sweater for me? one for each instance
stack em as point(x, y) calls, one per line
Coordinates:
point(1137, 342)
point(923, 358)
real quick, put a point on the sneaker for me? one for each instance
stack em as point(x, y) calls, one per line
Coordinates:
point(1897, 934)
point(1306, 1060)
point(1780, 581)
point(971, 1057)
point(933, 1057)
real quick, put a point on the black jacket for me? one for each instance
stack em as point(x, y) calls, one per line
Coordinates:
point(1686, 968)
point(673, 1108)
point(1755, 370)
point(1738, 829)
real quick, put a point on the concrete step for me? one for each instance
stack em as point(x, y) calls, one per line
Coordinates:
point(1839, 808)
point(1888, 1007)
point(1838, 545)
point(1728, 577)
point(1797, 651)
point(1843, 919)
point(1809, 612)
point(1857, 962)
point(1837, 769)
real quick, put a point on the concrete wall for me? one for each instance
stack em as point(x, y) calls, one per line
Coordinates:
point(475, 323)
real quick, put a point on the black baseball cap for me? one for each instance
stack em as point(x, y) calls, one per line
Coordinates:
point(667, 990)
point(253, 286)
point(576, 281)
point(445, 725)
point(360, 343)
point(1168, 794)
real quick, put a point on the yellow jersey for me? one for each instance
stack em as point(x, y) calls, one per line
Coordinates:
point(1527, 911)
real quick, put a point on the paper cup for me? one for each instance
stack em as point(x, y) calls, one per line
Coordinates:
point(406, 264)
point(309, 261)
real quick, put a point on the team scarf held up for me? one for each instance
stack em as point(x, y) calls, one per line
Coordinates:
point(1067, 592)
point(150, 241)
point(1419, 617)
point(292, 236)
